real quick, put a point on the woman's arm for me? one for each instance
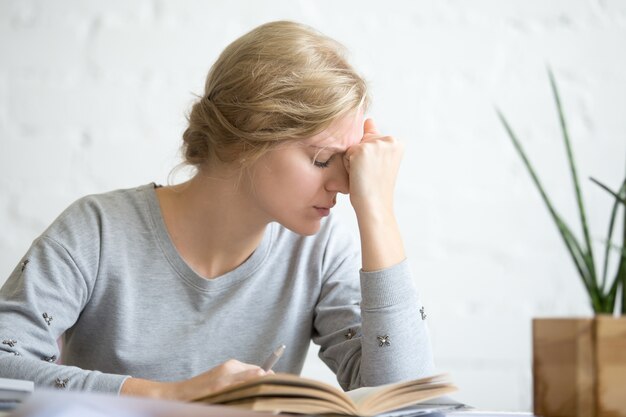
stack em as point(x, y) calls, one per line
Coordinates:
point(41, 299)
point(373, 167)
point(384, 338)
point(381, 243)
point(211, 381)
point(368, 324)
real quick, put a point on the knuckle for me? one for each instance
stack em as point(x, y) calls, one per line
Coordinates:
point(231, 363)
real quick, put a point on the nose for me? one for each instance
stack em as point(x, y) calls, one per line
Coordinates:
point(337, 179)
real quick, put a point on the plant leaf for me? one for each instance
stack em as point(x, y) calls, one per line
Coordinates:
point(612, 293)
point(572, 165)
point(598, 300)
point(619, 281)
point(576, 252)
point(613, 193)
point(616, 248)
point(620, 276)
point(609, 238)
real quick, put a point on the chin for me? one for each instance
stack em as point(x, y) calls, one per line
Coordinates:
point(308, 229)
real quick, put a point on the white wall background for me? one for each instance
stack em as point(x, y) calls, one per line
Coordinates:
point(93, 96)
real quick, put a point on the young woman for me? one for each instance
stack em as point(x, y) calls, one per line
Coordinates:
point(177, 291)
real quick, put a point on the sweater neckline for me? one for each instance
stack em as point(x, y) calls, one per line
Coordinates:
point(183, 270)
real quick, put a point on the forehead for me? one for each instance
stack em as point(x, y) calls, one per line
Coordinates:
point(341, 134)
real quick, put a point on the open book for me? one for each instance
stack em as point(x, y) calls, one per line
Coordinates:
point(286, 393)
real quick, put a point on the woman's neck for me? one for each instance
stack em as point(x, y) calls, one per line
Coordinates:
point(211, 223)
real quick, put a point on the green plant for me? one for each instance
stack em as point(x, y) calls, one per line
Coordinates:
point(602, 293)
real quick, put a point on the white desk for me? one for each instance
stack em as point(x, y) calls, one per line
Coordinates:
point(76, 404)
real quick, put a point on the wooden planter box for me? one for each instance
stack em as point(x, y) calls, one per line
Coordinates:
point(579, 367)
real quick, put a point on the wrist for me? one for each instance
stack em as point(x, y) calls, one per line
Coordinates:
point(375, 220)
point(381, 241)
point(167, 391)
point(369, 211)
point(151, 389)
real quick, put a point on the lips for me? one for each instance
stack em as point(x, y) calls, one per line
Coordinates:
point(327, 206)
point(324, 210)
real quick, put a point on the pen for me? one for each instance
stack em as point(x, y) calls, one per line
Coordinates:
point(273, 358)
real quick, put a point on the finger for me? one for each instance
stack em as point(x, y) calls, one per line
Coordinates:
point(370, 127)
point(233, 365)
point(249, 374)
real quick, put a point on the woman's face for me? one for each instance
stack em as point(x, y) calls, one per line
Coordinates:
point(296, 184)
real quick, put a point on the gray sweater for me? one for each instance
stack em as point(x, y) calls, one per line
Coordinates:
point(106, 278)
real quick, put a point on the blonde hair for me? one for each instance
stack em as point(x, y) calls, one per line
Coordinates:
point(282, 81)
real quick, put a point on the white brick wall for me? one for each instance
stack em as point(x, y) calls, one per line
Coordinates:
point(93, 96)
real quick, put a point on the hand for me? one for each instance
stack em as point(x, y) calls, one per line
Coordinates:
point(215, 379)
point(373, 167)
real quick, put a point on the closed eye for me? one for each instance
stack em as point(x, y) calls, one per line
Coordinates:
point(325, 164)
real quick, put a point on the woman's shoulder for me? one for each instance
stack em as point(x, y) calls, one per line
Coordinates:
point(89, 214)
point(115, 198)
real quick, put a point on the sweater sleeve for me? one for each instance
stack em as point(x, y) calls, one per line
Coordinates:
point(42, 298)
point(371, 326)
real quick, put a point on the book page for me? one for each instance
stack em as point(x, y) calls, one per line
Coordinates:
point(275, 392)
point(372, 394)
point(291, 393)
point(283, 382)
point(405, 400)
point(291, 405)
point(383, 396)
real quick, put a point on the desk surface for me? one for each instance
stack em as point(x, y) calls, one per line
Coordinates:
point(76, 404)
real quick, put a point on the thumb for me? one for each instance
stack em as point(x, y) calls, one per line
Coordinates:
point(370, 127)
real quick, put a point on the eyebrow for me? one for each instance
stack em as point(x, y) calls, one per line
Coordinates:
point(330, 148)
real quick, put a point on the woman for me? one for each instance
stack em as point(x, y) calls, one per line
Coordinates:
point(177, 291)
